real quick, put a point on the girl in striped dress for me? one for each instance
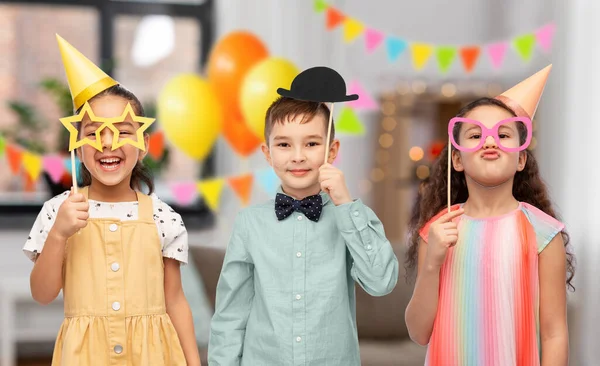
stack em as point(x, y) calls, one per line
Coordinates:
point(493, 264)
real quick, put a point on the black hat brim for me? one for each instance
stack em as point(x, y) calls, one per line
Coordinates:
point(342, 98)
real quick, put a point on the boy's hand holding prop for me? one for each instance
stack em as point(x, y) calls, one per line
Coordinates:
point(523, 99)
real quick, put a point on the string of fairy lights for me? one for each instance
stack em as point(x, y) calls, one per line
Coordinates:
point(393, 115)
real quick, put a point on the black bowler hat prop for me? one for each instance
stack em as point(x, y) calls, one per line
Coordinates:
point(319, 84)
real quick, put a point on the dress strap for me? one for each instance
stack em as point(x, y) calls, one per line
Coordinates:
point(145, 207)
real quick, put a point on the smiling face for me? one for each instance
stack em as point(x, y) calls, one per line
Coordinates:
point(296, 150)
point(110, 167)
point(489, 165)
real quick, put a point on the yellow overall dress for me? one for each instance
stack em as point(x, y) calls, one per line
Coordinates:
point(113, 287)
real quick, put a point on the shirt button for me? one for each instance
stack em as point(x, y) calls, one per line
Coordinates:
point(298, 339)
point(299, 218)
point(369, 247)
point(116, 306)
point(355, 213)
point(112, 227)
point(298, 254)
point(298, 297)
point(115, 266)
point(118, 349)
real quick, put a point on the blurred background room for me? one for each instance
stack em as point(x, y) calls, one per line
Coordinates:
point(413, 63)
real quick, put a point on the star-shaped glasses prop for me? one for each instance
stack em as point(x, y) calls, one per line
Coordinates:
point(117, 141)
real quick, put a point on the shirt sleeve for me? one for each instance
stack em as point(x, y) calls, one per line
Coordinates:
point(374, 264)
point(235, 293)
point(172, 231)
point(545, 226)
point(42, 225)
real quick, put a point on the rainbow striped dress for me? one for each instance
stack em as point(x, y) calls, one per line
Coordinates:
point(488, 310)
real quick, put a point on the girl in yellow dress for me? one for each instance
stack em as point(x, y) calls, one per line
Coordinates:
point(113, 250)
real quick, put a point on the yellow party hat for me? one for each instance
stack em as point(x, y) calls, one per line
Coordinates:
point(85, 78)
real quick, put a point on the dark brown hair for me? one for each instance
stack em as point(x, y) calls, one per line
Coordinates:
point(431, 199)
point(284, 109)
point(140, 175)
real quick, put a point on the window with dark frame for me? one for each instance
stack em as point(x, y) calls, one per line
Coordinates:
point(198, 215)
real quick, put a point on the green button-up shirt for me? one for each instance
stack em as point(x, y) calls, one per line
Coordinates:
point(286, 291)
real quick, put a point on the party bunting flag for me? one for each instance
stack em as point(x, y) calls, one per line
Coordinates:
point(211, 191)
point(15, 156)
point(395, 47)
point(469, 56)
point(420, 54)
point(2, 145)
point(53, 165)
point(364, 101)
point(352, 29)
point(373, 39)
point(524, 45)
point(348, 122)
point(496, 51)
point(268, 180)
point(544, 37)
point(334, 18)
point(320, 6)
point(242, 186)
point(32, 164)
point(184, 192)
point(445, 57)
point(156, 144)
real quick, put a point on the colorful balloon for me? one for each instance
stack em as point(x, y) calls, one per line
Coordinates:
point(190, 114)
point(236, 132)
point(259, 90)
point(229, 61)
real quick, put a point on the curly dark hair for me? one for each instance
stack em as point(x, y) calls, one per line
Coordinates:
point(431, 199)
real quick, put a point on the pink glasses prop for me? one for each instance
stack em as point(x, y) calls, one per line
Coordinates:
point(476, 134)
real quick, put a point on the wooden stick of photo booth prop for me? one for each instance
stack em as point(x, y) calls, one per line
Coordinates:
point(449, 171)
point(73, 171)
point(328, 145)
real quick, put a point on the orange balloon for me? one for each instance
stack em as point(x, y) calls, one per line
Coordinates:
point(229, 62)
point(238, 135)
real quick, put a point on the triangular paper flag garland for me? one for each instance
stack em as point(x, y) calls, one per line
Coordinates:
point(210, 190)
point(496, 51)
point(420, 54)
point(14, 155)
point(352, 29)
point(395, 47)
point(242, 186)
point(469, 56)
point(544, 37)
point(268, 180)
point(524, 46)
point(373, 38)
point(156, 144)
point(364, 101)
point(184, 193)
point(2, 145)
point(32, 164)
point(320, 6)
point(334, 18)
point(445, 57)
point(348, 122)
point(53, 165)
